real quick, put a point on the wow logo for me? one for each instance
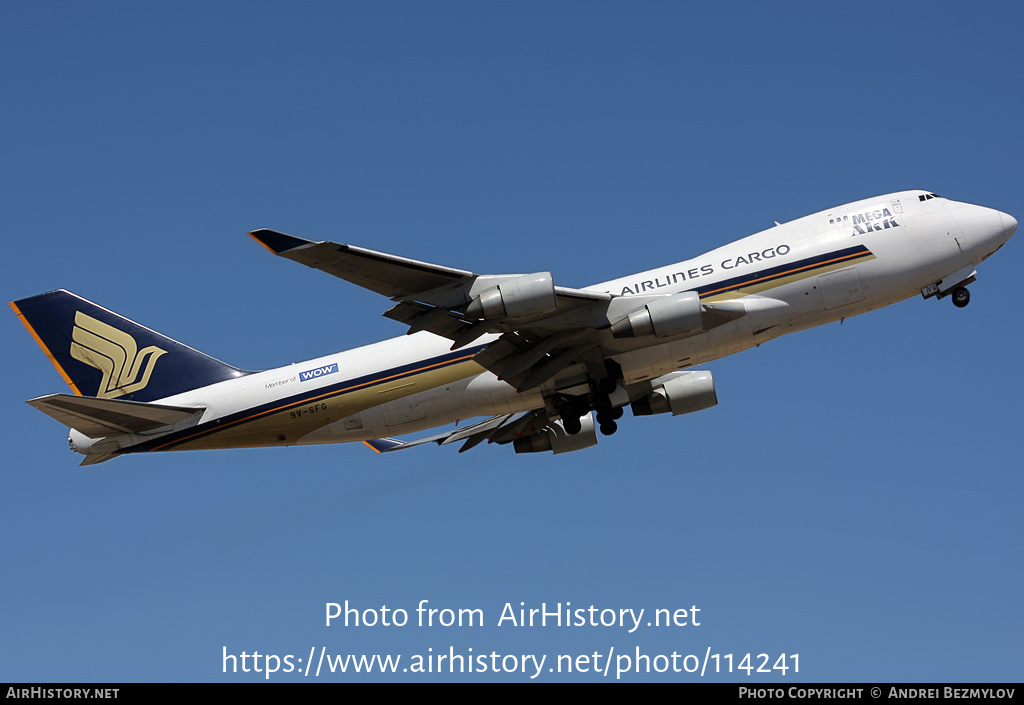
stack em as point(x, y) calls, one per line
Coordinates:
point(318, 372)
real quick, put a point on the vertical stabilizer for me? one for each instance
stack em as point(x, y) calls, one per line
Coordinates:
point(102, 354)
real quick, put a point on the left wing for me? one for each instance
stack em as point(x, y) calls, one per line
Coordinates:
point(385, 274)
point(542, 327)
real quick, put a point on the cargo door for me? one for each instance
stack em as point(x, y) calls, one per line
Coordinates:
point(401, 405)
point(840, 288)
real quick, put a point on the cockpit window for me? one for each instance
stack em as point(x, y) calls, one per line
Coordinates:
point(928, 196)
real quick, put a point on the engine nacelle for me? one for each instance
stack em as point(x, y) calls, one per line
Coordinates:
point(685, 393)
point(554, 438)
point(666, 317)
point(518, 297)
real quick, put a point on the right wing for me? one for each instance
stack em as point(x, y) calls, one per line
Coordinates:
point(530, 431)
point(473, 435)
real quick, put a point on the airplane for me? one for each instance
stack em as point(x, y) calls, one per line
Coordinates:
point(548, 366)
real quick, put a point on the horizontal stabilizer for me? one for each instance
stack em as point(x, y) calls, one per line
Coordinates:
point(93, 459)
point(98, 418)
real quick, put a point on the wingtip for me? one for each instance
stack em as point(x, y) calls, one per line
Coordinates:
point(277, 242)
point(383, 445)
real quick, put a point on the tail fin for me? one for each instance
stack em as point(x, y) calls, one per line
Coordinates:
point(102, 354)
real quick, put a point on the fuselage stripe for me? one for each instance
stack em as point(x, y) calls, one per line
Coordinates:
point(318, 394)
point(737, 283)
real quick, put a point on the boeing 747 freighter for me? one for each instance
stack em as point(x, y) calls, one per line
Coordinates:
point(548, 366)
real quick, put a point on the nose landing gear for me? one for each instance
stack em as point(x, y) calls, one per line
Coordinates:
point(954, 285)
point(961, 296)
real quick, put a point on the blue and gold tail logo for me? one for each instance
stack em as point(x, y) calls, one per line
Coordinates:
point(113, 352)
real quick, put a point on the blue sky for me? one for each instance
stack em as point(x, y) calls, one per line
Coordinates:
point(854, 498)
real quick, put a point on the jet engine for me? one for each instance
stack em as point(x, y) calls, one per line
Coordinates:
point(665, 317)
point(518, 297)
point(554, 438)
point(681, 394)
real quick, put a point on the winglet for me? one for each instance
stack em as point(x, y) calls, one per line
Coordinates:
point(383, 445)
point(278, 242)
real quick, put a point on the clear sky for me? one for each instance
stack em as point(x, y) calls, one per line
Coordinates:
point(854, 498)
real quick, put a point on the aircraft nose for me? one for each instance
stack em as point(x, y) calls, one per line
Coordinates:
point(1009, 225)
point(987, 230)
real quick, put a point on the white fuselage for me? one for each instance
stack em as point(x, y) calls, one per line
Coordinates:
point(817, 269)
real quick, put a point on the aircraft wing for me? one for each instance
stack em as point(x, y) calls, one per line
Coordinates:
point(539, 323)
point(383, 273)
point(542, 328)
point(500, 429)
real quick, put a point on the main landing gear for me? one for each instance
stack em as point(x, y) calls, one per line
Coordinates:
point(570, 419)
point(607, 415)
point(600, 401)
point(961, 296)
